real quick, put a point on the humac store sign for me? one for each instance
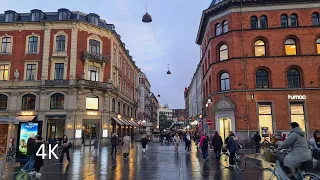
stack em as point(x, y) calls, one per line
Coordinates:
point(297, 97)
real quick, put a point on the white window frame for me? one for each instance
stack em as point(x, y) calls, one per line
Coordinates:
point(10, 50)
point(27, 44)
point(94, 37)
point(53, 64)
point(55, 41)
point(25, 70)
point(9, 64)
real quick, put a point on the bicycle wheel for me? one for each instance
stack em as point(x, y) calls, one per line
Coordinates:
point(267, 174)
point(224, 160)
point(240, 162)
point(310, 176)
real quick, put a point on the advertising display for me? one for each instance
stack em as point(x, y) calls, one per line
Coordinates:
point(265, 131)
point(27, 130)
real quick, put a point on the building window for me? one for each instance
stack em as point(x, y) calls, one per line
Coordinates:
point(318, 46)
point(94, 46)
point(63, 16)
point(28, 102)
point(120, 63)
point(297, 114)
point(3, 102)
point(254, 22)
point(260, 48)
point(224, 82)
point(4, 72)
point(92, 102)
point(113, 105)
point(293, 76)
point(119, 108)
point(95, 20)
point(262, 79)
point(225, 26)
point(315, 19)
point(35, 16)
point(284, 20)
point(31, 71)
point(293, 20)
point(93, 73)
point(218, 29)
point(9, 17)
point(290, 47)
point(263, 22)
point(59, 70)
point(56, 128)
point(6, 45)
point(33, 44)
point(265, 118)
point(124, 110)
point(57, 101)
point(223, 52)
point(61, 43)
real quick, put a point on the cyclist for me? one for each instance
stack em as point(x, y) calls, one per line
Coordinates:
point(232, 146)
point(299, 152)
point(315, 143)
point(257, 140)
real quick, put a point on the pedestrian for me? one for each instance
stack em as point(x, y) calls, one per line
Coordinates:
point(257, 141)
point(284, 137)
point(82, 138)
point(96, 145)
point(126, 145)
point(114, 142)
point(31, 152)
point(38, 159)
point(233, 147)
point(217, 145)
point(176, 140)
point(144, 144)
point(315, 144)
point(65, 148)
point(204, 144)
point(188, 142)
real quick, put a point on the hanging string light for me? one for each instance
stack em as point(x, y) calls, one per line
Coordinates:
point(146, 17)
point(158, 93)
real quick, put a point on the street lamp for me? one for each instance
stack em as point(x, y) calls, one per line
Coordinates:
point(146, 17)
point(131, 119)
point(119, 116)
point(144, 121)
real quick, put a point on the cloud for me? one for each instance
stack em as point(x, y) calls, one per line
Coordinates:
point(146, 68)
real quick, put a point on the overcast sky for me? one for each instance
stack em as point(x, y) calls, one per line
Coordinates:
point(175, 23)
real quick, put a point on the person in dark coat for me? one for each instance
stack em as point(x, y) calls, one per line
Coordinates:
point(257, 141)
point(65, 148)
point(144, 142)
point(233, 147)
point(217, 144)
point(114, 142)
point(38, 159)
point(31, 151)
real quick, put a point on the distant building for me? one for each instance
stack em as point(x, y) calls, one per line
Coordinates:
point(179, 115)
point(166, 111)
point(154, 110)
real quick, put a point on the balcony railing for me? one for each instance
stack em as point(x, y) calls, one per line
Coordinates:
point(94, 57)
point(57, 82)
point(96, 84)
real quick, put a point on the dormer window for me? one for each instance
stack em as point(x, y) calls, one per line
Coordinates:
point(35, 16)
point(94, 20)
point(9, 17)
point(63, 15)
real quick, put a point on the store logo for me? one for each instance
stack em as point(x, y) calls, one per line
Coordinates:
point(297, 97)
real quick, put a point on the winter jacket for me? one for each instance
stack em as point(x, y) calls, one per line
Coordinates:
point(299, 148)
point(38, 159)
point(217, 142)
point(257, 138)
point(176, 139)
point(114, 140)
point(233, 144)
point(314, 144)
point(201, 140)
point(96, 143)
point(144, 141)
point(205, 144)
point(126, 144)
point(31, 146)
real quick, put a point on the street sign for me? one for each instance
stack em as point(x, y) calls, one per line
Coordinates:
point(209, 122)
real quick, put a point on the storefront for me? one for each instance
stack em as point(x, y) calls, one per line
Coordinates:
point(55, 127)
point(266, 123)
point(4, 129)
point(297, 108)
point(90, 130)
point(116, 125)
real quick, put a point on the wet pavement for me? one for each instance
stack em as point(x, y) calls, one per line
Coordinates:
point(160, 162)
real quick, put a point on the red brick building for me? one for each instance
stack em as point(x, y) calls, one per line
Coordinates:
point(261, 67)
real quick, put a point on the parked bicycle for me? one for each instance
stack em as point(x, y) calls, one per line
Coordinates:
point(11, 154)
point(248, 143)
point(275, 172)
point(238, 159)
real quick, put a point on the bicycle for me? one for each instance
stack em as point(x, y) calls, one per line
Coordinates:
point(11, 154)
point(275, 172)
point(238, 159)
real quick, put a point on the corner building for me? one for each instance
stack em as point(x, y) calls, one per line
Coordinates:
point(68, 70)
point(260, 62)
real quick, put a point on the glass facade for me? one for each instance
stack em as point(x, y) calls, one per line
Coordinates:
point(55, 129)
point(265, 118)
point(297, 114)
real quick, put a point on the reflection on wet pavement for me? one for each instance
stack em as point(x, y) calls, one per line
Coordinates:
point(160, 162)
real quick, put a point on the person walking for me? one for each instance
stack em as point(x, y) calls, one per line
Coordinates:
point(188, 142)
point(205, 147)
point(65, 148)
point(217, 145)
point(126, 145)
point(176, 140)
point(31, 152)
point(38, 159)
point(257, 141)
point(114, 142)
point(144, 143)
point(96, 145)
point(233, 147)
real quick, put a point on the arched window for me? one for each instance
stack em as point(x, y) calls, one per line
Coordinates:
point(293, 76)
point(94, 46)
point(119, 108)
point(61, 43)
point(92, 102)
point(223, 52)
point(254, 22)
point(113, 105)
point(260, 48)
point(6, 45)
point(224, 82)
point(3, 102)
point(290, 47)
point(262, 79)
point(284, 20)
point(218, 29)
point(123, 110)
point(28, 102)
point(293, 20)
point(318, 45)
point(57, 101)
point(263, 22)
point(315, 19)
point(225, 26)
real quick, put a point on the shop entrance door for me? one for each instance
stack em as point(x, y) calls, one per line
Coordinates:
point(225, 127)
point(91, 130)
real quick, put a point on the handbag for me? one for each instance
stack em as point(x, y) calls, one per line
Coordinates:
point(69, 145)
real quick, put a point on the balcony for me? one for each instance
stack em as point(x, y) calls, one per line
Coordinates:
point(58, 83)
point(97, 85)
point(86, 55)
point(60, 54)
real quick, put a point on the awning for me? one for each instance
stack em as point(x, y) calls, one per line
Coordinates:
point(25, 118)
point(117, 120)
point(125, 122)
point(130, 122)
point(135, 124)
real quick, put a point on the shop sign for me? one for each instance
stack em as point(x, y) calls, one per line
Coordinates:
point(297, 97)
point(26, 113)
point(265, 131)
point(91, 113)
